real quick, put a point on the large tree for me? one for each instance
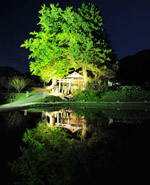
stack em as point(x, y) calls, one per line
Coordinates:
point(90, 47)
point(69, 40)
point(49, 59)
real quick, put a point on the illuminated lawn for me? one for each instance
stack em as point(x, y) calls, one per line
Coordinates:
point(106, 100)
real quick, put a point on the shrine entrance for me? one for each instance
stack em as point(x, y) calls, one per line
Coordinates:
point(68, 85)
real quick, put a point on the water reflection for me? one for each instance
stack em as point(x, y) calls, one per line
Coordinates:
point(67, 119)
point(15, 119)
point(12, 127)
point(111, 141)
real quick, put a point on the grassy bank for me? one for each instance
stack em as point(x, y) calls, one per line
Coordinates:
point(127, 100)
point(8, 97)
point(113, 96)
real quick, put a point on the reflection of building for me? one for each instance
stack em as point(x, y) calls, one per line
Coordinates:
point(67, 119)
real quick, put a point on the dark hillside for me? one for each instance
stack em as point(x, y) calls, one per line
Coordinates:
point(8, 71)
point(135, 69)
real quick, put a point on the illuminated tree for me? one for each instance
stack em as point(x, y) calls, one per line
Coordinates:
point(50, 58)
point(93, 51)
point(69, 40)
point(18, 83)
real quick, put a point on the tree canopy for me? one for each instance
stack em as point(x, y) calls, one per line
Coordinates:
point(70, 40)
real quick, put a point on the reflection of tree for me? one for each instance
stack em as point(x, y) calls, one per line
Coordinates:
point(14, 118)
point(53, 158)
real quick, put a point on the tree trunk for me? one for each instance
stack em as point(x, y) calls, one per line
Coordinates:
point(44, 84)
point(54, 81)
point(85, 76)
point(54, 84)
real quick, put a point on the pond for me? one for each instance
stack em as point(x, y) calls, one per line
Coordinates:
point(102, 143)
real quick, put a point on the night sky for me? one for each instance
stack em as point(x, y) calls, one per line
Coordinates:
point(127, 23)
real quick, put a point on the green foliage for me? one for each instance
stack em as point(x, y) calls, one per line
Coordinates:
point(12, 97)
point(50, 157)
point(68, 40)
point(89, 95)
point(51, 99)
point(41, 159)
point(50, 57)
point(88, 86)
point(21, 96)
point(125, 96)
point(19, 83)
point(128, 88)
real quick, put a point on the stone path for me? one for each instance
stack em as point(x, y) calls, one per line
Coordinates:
point(38, 95)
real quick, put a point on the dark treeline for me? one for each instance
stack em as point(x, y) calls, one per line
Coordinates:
point(134, 69)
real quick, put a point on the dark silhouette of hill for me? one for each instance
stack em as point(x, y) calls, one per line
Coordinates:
point(8, 71)
point(135, 69)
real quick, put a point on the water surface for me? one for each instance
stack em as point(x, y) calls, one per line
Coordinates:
point(118, 141)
